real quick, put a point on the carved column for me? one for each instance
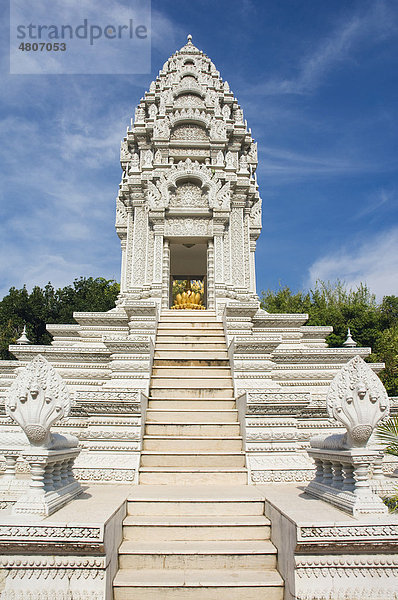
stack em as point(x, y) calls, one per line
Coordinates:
point(246, 234)
point(11, 458)
point(157, 221)
point(157, 252)
point(237, 244)
point(149, 260)
point(166, 275)
point(139, 245)
point(218, 231)
point(129, 247)
point(123, 283)
point(253, 266)
point(210, 275)
point(227, 257)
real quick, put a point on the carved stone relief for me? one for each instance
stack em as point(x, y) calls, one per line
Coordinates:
point(188, 194)
point(189, 101)
point(187, 226)
point(189, 132)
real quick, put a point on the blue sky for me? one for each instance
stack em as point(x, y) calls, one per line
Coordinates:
point(318, 84)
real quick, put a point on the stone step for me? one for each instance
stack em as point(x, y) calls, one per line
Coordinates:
point(193, 371)
point(195, 554)
point(193, 429)
point(192, 327)
point(184, 503)
point(201, 415)
point(210, 444)
point(174, 337)
point(191, 403)
point(191, 381)
point(190, 322)
point(183, 345)
point(189, 459)
point(188, 316)
point(192, 528)
point(194, 355)
point(181, 329)
point(169, 584)
point(191, 392)
point(187, 477)
point(189, 362)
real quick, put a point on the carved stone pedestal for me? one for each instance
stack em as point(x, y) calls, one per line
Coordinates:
point(52, 482)
point(342, 479)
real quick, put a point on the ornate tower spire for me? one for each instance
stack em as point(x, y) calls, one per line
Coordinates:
point(188, 204)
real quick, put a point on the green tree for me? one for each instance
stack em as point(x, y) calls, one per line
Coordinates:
point(387, 350)
point(284, 301)
point(372, 325)
point(42, 306)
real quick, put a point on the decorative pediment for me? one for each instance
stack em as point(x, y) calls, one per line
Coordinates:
point(189, 194)
point(189, 101)
point(189, 84)
point(201, 188)
point(190, 114)
point(189, 132)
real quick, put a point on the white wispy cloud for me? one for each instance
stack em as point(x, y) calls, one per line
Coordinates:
point(373, 261)
point(381, 198)
point(294, 164)
point(369, 26)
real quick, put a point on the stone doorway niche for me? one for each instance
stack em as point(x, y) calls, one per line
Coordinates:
point(188, 261)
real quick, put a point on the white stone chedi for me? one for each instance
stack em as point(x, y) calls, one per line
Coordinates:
point(189, 207)
point(189, 165)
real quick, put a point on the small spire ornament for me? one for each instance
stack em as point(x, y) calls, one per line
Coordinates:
point(23, 340)
point(349, 343)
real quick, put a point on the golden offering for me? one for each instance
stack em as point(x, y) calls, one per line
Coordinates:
point(188, 294)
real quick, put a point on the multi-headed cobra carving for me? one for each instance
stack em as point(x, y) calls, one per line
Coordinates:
point(37, 399)
point(358, 400)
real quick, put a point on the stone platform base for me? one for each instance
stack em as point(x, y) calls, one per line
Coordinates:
point(70, 555)
point(325, 554)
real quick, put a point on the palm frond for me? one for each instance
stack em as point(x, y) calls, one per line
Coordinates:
point(387, 433)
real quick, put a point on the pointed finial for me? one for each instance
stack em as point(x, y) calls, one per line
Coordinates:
point(189, 38)
point(23, 340)
point(349, 343)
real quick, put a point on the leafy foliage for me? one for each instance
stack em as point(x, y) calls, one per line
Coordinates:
point(387, 432)
point(392, 503)
point(372, 324)
point(48, 305)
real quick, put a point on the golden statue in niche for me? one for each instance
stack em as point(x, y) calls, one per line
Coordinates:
point(188, 294)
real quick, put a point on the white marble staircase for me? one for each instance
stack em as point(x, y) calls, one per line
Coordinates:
point(192, 433)
point(199, 542)
point(194, 528)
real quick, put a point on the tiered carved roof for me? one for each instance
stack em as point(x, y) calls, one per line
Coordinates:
point(189, 128)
